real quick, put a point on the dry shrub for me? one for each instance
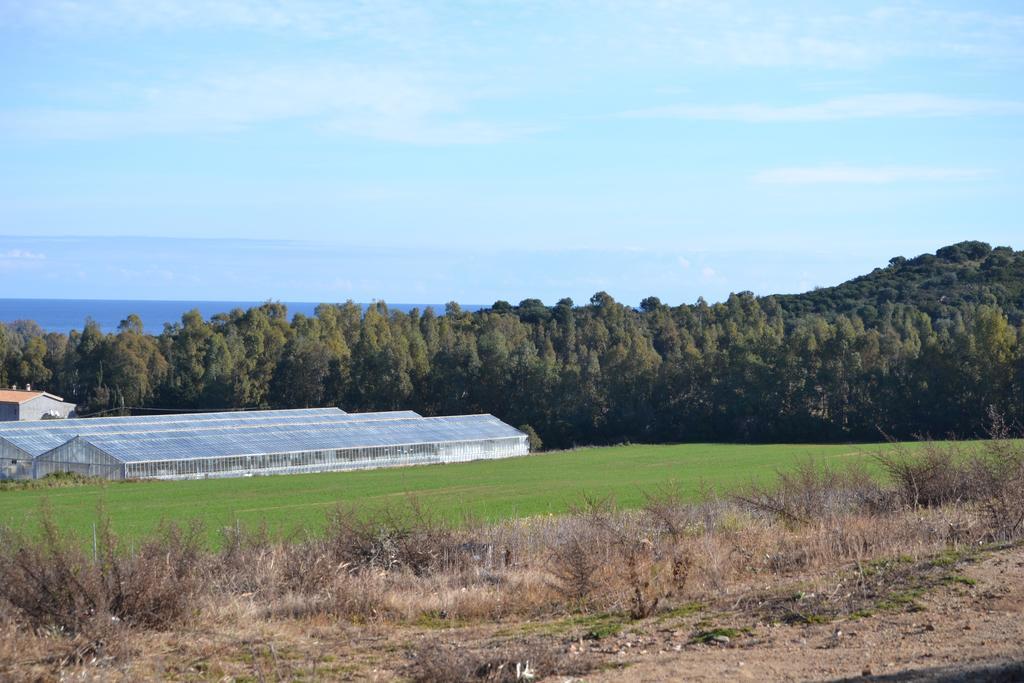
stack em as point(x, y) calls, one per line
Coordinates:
point(305, 567)
point(996, 478)
point(49, 582)
point(408, 538)
point(473, 595)
point(989, 477)
point(643, 571)
point(809, 493)
point(155, 586)
point(247, 561)
point(730, 557)
point(602, 558)
point(836, 541)
point(674, 521)
point(15, 646)
point(52, 583)
point(397, 565)
point(640, 563)
point(578, 549)
point(575, 560)
point(358, 598)
point(933, 476)
point(362, 597)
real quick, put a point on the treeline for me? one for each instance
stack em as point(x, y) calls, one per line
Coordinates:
point(748, 369)
point(964, 273)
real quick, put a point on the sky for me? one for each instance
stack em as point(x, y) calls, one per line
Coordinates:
point(476, 151)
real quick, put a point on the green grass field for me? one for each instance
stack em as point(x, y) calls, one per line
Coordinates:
point(488, 490)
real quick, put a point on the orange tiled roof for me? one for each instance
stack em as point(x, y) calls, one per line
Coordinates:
point(20, 395)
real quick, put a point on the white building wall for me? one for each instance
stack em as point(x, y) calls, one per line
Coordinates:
point(36, 408)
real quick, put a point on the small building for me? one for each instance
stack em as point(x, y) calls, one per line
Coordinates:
point(17, 405)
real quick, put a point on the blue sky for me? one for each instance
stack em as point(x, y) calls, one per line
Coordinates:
point(308, 151)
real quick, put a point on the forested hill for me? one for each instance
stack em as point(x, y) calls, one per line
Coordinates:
point(964, 273)
point(930, 345)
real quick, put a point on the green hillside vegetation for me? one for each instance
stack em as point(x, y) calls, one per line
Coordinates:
point(485, 490)
point(930, 345)
point(968, 273)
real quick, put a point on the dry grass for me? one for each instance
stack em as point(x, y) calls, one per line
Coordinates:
point(224, 614)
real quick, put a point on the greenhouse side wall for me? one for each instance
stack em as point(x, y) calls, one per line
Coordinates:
point(330, 460)
point(14, 462)
point(79, 457)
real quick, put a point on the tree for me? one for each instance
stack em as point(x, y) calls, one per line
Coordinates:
point(135, 365)
point(924, 346)
point(301, 375)
point(381, 365)
point(189, 344)
point(4, 352)
point(32, 366)
point(536, 445)
point(501, 307)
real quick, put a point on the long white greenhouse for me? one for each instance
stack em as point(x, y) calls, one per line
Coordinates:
point(232, 444)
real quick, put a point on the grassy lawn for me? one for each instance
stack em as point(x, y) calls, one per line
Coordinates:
point(489, 490)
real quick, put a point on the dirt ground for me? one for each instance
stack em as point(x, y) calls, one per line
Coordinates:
point(965, 625)
point(968, 629)
point(964, 632)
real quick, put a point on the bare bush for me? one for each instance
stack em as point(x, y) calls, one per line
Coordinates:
point(578, 549)
point(408, 538)
point(154, 586)
point(674, 520)
point(51, 582)
point(996, 481)
point(306, 567)
point(631, 561)
point(934, 476)
point(810, 493)
point(575, 556)
point(246, 562)
point(642, 573)
point(989, 477)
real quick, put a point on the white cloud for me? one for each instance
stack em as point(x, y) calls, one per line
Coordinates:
point(145, 274)
point(386, 104)
point(684, 262)
point(894, 105)
point(307, 17)
point(708, 273)
point(20, 260)
point(22, 255)
point(735, 33)
point(811, 175)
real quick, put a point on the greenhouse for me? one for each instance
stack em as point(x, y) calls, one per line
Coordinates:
point(250, 443)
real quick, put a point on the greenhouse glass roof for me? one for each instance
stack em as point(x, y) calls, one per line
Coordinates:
point(39, 437)
point(183, 418)
point(294, 438)
point(212, 435)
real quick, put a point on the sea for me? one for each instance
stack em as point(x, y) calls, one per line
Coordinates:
point(64, 315)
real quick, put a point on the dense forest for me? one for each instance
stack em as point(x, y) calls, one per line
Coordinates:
point(925, 346)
